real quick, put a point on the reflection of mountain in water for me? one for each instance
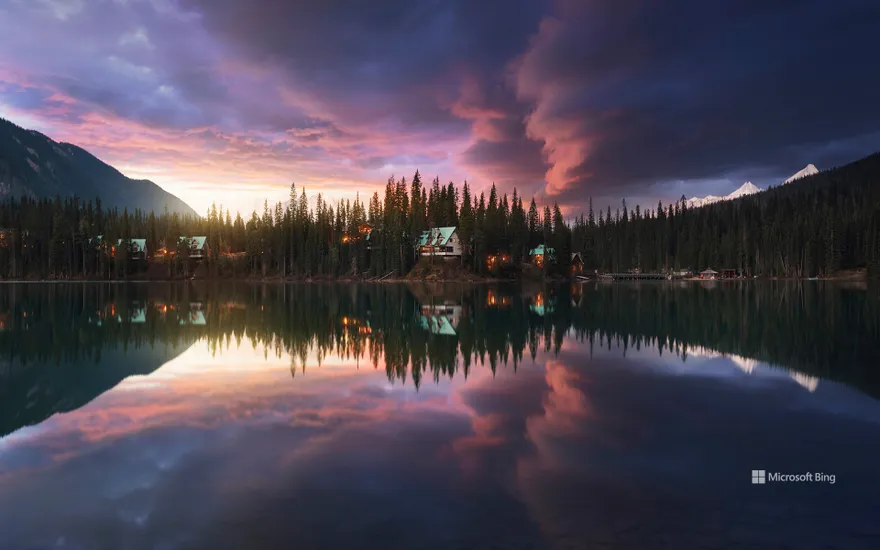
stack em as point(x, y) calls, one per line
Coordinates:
point(750, 366)
point(59, 351)
point(34, 394)
point(62, 345)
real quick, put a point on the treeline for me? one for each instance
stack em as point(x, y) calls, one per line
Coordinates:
point(56, 238)
point(814, 227)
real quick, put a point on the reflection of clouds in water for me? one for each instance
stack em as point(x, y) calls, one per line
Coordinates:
point(565, 409)
point(222, 459)
point(498, 408)
point(565, 418)
point(161, 454)
point(525, 434)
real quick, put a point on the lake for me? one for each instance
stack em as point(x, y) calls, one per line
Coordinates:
point(652, 415)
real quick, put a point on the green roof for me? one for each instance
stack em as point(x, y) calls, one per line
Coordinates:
point(437, 324)
point(140, 245)
point(542, 309)
point(195, 317)
point(540, 250)
point(199, 242)
point(436, 236)
point(445, 233)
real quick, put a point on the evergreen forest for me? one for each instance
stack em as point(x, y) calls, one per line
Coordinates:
point(813, 227)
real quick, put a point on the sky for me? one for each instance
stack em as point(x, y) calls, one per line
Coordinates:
point(230, 102)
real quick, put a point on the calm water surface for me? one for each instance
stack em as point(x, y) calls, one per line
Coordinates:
point(393, 416)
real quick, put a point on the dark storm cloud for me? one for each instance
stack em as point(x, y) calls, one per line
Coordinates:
point(400, 60)
point(500, 150)
point(630, 93)
point(373, 45)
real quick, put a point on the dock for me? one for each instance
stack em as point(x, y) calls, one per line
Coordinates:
point(634, 276)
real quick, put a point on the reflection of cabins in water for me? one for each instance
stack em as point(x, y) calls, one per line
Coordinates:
point(496, 301)
point(187, 314)
point(195, 316)
point(354, 324)
point(138, 316)
point(577, 294)
point(230, 305)
point(440, 319)
point(542, 305)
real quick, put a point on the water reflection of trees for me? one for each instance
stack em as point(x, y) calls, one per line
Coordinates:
point(420, 331)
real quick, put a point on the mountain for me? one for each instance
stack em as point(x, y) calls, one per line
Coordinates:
point(33, 392)
point(696, 202)
point(809, 170)
point(34, 165)
point(745, 189)
point(748, 189)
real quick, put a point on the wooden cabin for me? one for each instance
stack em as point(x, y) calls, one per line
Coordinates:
point(198, 246)
point(440, 241)
point(577, 264)
point(709, 274)
point(540, 254)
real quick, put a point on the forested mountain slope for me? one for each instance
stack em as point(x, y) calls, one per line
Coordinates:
point(815, 225)
point(35, 166)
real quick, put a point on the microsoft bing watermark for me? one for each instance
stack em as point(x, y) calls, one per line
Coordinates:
point(760, 477)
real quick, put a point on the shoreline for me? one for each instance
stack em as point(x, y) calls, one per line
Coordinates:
point(397, 280)
point(313, 280)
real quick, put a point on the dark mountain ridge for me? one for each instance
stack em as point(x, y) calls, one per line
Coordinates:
point(34, 165)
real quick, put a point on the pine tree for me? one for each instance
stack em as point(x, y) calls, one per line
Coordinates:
point(466, 226)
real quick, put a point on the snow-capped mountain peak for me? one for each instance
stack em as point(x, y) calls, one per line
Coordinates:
point(696, 202)
point(808, 170)
point(748, 188)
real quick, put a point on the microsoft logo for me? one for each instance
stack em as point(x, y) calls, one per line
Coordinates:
point(759, 476)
